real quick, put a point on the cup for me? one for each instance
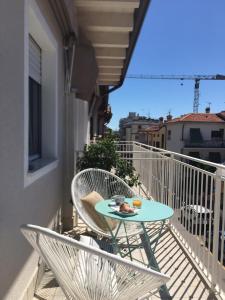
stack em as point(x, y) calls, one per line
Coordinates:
point(119, 199)
point(137, 203)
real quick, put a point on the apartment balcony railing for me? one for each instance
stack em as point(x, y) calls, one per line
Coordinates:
point(205, 144)
point(195, 189)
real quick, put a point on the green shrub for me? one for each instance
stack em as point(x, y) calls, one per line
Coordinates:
point(103, 155)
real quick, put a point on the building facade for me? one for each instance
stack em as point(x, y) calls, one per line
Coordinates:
point(156, 136)
point(132, 127)
point(59, 61)
point(200, 135)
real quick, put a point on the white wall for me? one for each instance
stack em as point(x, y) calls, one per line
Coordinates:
point(175, 144)
point(205, 128)
point(77, 135)
point(39, 202)
point(128, 134)
point(81, 124)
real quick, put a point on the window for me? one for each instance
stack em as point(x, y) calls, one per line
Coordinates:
point(169, 135)
point(162, 141)
point(157, 144)
point(41, 98)
point(215, 157)
point(35, 125)
point(217, 134)
point(195, 135)
point(194, 154)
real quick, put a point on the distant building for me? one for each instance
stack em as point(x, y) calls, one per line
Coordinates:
point(199, 135)
point(131, 128)
point(156, 135)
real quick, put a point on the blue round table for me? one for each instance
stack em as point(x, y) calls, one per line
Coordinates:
point(150, 211)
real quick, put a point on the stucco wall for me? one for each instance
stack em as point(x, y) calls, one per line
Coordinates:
point(175, 144)
point(128, 134)
point(39, 202)
point(205, 128)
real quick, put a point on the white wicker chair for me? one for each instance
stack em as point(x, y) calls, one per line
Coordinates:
point(87, 273)
point(107, 185)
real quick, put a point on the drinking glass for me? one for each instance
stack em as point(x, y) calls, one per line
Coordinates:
point(137, 203)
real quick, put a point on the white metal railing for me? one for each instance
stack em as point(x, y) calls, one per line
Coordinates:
point(195, 189)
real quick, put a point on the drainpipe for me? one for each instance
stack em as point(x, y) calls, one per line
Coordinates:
point(61, 10)
point(61, 13)
point(69, 45)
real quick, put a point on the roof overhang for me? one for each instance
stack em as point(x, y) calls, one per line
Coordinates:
point(112, 28)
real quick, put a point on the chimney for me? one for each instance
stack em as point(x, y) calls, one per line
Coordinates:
point(169, 117)
point(161, 120)
point(207, 110)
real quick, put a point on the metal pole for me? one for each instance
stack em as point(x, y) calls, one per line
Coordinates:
point(216, 226)
point(196, 96)
point(171, 179)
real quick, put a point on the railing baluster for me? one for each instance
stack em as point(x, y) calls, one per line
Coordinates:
point(186, 184)
point(171, 179)
point(216, 225)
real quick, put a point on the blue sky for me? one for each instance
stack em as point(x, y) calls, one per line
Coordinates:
point(178, 37)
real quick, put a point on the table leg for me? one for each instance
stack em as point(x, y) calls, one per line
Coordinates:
point(148, 249)
point(164, 293)
point(116, 247)
point(128, 244)
point(114, 236)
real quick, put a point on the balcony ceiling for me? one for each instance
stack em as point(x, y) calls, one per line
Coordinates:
point(108, 25)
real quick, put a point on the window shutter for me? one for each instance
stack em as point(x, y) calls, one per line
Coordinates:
point(34, 60)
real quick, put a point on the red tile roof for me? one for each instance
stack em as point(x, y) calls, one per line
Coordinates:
point(195, 117)
point(221, 114)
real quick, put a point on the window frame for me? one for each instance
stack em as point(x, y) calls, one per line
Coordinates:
point(35, 112)
point(35, 103)
point(219, 134)
point(36, 25)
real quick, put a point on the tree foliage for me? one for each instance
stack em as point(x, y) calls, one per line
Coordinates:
point(103, 155)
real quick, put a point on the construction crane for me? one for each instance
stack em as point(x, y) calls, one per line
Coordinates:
point(196, 78)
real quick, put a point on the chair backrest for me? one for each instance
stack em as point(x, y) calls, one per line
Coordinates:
point(85, 273)
point(101, 181)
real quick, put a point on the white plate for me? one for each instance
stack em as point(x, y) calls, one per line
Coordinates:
point(112, 203)
point(123, 213)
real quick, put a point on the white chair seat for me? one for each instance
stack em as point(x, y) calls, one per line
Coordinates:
point(94, 276)
point(88, 273)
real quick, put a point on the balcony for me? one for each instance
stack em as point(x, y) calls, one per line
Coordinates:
point(192, 249)
point(174, 179)
point(204, 144)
